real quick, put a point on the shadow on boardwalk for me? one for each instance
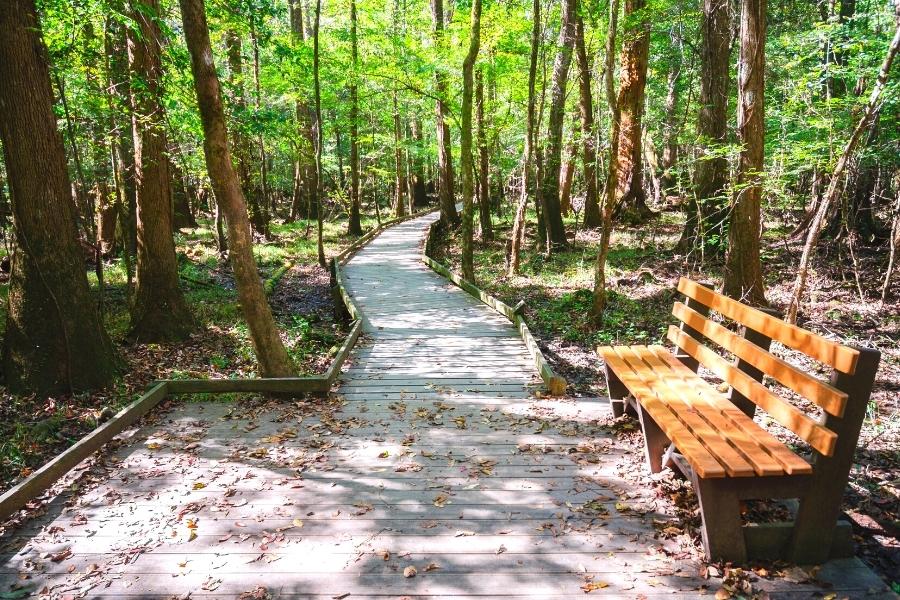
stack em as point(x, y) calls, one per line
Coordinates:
point(433, 453)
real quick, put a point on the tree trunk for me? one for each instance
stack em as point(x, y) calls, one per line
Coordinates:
point(518, 231)
point(417, 173)
point(263, 200)
point(588, 142)
point(631, 200)
point(319, 137)
point(465, 151)
point(600, 298)
point(159, 312)
point(834, 186)
point(667, 181)
point(445, 156)
point(705, 212)
point(301, 196)
point(743, 270)
point(484, 186)
point(239, 142)
point(272, 356)
point(567, 174)
point(400, 199)
point(353, 224)
point(556, 232)
point(54, 340)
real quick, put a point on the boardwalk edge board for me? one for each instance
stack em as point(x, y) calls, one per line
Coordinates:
point(39, 481)
point(35, 484)
point(556, 384)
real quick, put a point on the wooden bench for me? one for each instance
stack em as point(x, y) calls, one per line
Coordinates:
point(710, 436)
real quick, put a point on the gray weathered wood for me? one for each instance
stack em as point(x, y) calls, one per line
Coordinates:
point(47, 475)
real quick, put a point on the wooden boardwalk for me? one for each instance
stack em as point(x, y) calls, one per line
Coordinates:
point(435, 454)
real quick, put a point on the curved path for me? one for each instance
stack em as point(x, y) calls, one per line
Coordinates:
point(432, 471)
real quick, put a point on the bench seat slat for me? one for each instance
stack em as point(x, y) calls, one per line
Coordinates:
point(709, 404)
point(817, 436)
point(832, 400)
point(789, 461)
point(696, 454)
point(835, 355)
point(685, 410)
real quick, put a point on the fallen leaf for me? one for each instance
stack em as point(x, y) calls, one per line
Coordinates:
point(409, 572)
point(199, 485)
point(61, 555)
point(441, 500)
point(594, 585)
point(298, 522)
point(432, 567)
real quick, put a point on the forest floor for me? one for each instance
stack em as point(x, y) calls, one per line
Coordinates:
point(35, 429)
point(643, 274)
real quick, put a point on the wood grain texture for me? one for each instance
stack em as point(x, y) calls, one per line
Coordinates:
point(842, 358)
point(487, 495)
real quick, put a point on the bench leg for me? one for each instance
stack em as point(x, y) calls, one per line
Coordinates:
point(720, 507)
point(818, 512)
point(617, 392)
point(655, 441)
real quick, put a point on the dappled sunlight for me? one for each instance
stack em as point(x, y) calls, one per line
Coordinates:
point(436, 468)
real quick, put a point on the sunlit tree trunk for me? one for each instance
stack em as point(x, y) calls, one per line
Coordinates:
point(445, 158)
point(555, 230)
point(54, 340)
point(631, 201)
point(743, 270)
point(466, 163)
point(159, 312)
point(518, 231)
point(270, 352)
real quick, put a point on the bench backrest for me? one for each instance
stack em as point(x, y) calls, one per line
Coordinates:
point(754, 361)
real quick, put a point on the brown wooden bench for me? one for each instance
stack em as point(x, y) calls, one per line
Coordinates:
point(710, 435)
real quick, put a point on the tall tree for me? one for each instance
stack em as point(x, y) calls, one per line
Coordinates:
point(240, 142)
point(445, 156)
point(555, 230)
point(631, 201)
point(353, 224)
point(465, 151)
point(518, 230)
point(667, 179)
point(705, 214)
point(400, 196)
point(588, 135)
point(270, 352)
point(54, 340)
point(598, 305)
point(160, 312)
point(304, 164)
point(319, 139)
point(743, 270)
point(484, 186)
